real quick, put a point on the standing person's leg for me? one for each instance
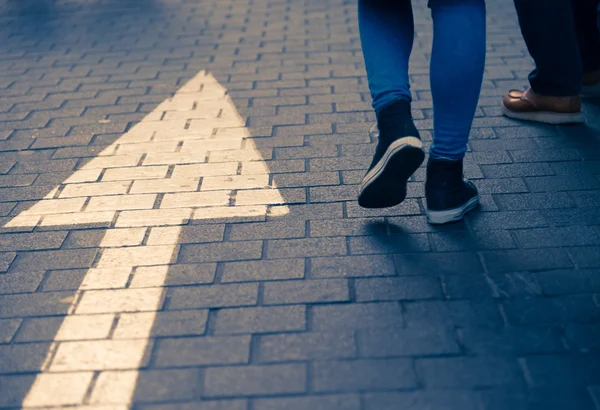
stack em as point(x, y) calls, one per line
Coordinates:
point(457, 65)
point(585, 13)
point(549, 31)
point(387, 35)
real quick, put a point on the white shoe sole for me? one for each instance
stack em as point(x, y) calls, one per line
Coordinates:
point(452, 215)
point(545, 116)
point(394, 147)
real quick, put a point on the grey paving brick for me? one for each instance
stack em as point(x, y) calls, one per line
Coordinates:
point(501, 186)
point(519, 170)
point(425, 399)
point(306, 247)
point(569, 281)
point(198, 405)
point(220, 252)
point(306, 291)
point(586, 257)
point(514, 284)
point(307, 346)
point(511, 341)
point(35, 304)
point(168, 384)
point(202, 351)
point(389, 244)
point(58, 259)
point(347, 227)
point(402, 288)
point(583, 338)
point(308, 212)
point(339, 376)
point(469, 372)
point(415, 340)
point(557, 237)
point(562, 183)
point(352, 266)
point(14, 388)
point(579, 369)
point(466, 287)
point(304, 179)
point(453, 313)
point(356, 316)
point(20, 282)
point(507, 220)
point(556, 398)
point(22, 358)
point(527, 259)
point(572, 216)
point(263, 270)
point(255, 380)
point(320, 402)
point(260, 320)
point(537, 311)
point(8, 328)
point(518, 202)
point(438, 263)
point(213, 296)
point(457, 240)
point(268, 230)
point(545, 155)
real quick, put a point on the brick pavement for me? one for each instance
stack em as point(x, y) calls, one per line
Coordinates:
point(165, 247)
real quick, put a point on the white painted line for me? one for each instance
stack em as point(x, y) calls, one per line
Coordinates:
point(199, 132)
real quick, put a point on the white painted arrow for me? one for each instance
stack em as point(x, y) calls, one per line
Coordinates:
point(190, 158)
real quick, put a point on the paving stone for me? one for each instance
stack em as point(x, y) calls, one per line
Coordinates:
point(433, 264)
point(260, 319)
point(220, 252)
point(202, 351)
point(389, 244)
point(168, 385)
point(507, 220)
point(268, 230)
point(58, 259)
point(537, 311)
point(583, 338)
point(469, 372)
point(35, 304)
point(524, 260)
point(352, 266)
point(22, 358)
point(8, 328)
point(339, 376)
point(320, 402)
point(218, 404)
point(14, 388)
point(560, 282)
point(403, 288)
point(307, 247)
point(255, 380)
point(547, 398)
point(166, 323)
point(174, 275)
point(511, 341)
point(453, 313)
point(356, 316)
point(306, 346)
point(213, 296)
point(577, 368)
point(307, 291)
point(427, 399)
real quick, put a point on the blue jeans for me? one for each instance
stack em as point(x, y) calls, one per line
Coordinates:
point(457, 63)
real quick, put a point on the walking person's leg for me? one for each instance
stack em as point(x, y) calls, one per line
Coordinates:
point(457, 65)
point(387, 35)
point(548, 28)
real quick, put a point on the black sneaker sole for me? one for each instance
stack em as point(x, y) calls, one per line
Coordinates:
point(384, 186)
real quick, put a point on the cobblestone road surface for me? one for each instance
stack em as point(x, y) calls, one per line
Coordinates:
point(179, 227)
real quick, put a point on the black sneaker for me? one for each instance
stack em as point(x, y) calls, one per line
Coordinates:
point(398, 155)
point(449, 196)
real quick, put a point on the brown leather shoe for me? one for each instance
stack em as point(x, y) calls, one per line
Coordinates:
point(530, 106)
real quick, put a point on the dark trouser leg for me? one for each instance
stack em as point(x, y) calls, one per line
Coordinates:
point(586, 25)
point(548, 28)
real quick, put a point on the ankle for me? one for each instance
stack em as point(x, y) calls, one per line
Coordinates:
point(396, 120)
